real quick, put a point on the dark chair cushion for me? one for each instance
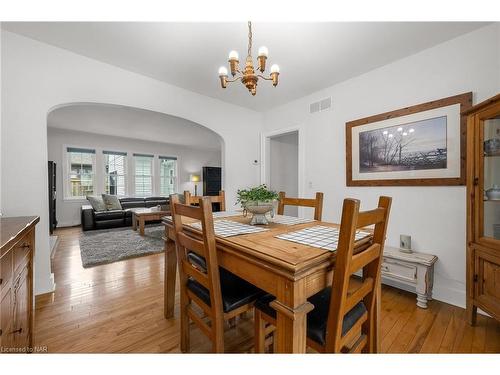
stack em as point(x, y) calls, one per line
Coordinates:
point(109, 215)
point(317, 318)
point(197, 260)
point(236, 292)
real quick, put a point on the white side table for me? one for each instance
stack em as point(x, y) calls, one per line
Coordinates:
point(413, 272)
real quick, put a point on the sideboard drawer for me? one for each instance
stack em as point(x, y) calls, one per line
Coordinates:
point(404, 272)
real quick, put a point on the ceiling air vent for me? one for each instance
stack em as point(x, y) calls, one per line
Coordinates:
point(320, 106)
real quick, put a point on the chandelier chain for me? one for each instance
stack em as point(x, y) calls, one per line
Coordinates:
point(249, 38)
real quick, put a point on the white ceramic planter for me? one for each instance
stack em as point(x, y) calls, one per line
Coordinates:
point(259, 211)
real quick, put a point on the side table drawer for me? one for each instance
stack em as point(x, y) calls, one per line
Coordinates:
point(401, 271)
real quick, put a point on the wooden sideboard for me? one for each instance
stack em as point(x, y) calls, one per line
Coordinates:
point(17, 247)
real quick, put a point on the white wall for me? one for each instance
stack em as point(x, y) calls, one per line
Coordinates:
point(284, 166)
point(189, 160)
point(434, 216)
point(37, 77)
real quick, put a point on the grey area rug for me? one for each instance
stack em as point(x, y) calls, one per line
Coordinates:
point(111, 245)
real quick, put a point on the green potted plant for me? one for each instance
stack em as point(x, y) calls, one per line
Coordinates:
point(258, 201)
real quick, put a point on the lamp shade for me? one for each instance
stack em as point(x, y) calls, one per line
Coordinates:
point(194, 178)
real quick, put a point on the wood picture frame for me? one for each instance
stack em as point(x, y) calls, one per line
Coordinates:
point(430, 174)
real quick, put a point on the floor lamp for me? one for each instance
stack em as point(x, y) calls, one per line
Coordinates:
point(195, 178)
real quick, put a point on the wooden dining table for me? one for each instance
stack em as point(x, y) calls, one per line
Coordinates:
point(290, 271)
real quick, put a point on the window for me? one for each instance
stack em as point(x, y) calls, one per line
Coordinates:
point(168, 175)
point(115, 172)
point(143, 170)
point(80, 176)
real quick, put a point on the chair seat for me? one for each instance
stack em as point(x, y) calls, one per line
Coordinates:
point(317, 318)
point(197, 260)
point(236, 292)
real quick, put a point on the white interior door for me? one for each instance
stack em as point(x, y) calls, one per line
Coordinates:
point(283, 162)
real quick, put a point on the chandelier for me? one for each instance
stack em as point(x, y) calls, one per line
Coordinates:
point(248, 76)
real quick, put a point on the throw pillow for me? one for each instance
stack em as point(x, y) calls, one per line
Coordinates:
point(112, 202)
point(97, 203)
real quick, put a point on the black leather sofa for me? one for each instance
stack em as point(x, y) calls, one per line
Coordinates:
point(117, 218)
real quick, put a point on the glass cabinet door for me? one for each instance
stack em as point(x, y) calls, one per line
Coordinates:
point(490, 186)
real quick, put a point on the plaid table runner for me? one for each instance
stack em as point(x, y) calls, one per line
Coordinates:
point(226, 228)
point(319, 236)
point(290, 220)
point(220, 214)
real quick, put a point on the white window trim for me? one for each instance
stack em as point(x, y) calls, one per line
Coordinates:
point(153, 174)
point(176, 178)
point(126, 169)
point(66, 187)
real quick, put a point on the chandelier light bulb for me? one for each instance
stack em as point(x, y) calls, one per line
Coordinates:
point(222, 71)
point(275, 68)
point(233, 55)
point(263, 51)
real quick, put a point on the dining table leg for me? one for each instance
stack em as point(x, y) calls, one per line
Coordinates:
point(170, 277)
point(291, 317)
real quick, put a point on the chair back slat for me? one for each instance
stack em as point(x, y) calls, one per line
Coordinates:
point(188, 211)
point(371, 217)
point(316, 202)
point(194, 199)
point(346, 264)
point(192, 244)
point(195, 273)
point(358, 295)
point(367, 256)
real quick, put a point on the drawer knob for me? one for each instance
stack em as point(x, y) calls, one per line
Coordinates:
point(17, 330)
point(1, 281)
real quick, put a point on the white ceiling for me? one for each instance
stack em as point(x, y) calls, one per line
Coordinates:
point(311, 56)
point(133, 123)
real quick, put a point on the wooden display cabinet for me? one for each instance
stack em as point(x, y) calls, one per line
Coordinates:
point(483, 209)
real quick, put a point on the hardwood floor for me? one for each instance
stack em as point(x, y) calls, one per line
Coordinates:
point(119, 308)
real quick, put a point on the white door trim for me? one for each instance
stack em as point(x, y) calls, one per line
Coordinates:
point(264, 156)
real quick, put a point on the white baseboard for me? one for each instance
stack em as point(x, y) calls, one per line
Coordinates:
point(449, 295)
point(53, 241)
point(48, 288)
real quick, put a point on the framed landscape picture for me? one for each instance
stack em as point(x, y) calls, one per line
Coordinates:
point(419, 145)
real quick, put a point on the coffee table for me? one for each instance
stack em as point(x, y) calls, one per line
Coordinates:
point(140, 216)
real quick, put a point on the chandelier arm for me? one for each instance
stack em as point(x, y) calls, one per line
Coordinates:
point(234, 80)
point(266, 78)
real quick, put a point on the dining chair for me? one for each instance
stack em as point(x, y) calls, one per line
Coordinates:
point(219, 294)
point(316, 203)
point(343, 318)
point(194, 199)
